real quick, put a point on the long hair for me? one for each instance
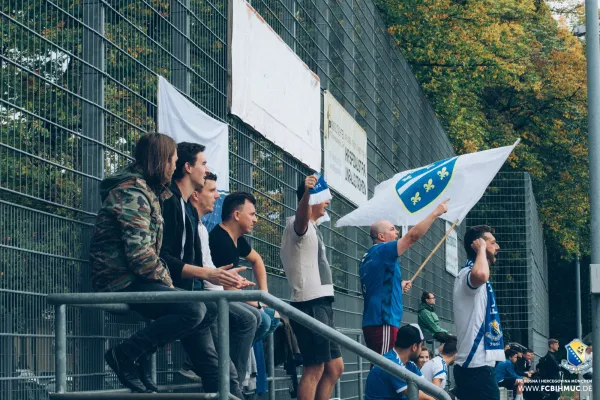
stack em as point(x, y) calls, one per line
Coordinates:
point(152, 153)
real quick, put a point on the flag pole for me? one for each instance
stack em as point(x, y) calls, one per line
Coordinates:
point(433, 251)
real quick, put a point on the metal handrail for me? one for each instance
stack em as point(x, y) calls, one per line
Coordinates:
point(222, 298)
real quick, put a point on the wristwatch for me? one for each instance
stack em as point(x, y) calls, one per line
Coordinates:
point(259, 305)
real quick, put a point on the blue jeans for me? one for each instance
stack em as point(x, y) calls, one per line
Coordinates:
point(268, 324)
point(243, 319)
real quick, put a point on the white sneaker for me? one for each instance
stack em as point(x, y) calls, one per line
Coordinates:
point(188, 373)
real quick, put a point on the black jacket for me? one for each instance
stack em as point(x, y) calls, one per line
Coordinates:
point(549, 366)
point(173, 232)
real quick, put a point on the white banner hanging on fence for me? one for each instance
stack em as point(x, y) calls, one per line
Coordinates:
point(345, 146)
point(183, 121)
point(451, 251)
point(271, 89)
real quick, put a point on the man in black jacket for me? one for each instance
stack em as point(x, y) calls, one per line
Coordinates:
point(550, 368)
point(182, 253)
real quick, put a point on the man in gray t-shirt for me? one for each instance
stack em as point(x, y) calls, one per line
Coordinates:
point(309, 276)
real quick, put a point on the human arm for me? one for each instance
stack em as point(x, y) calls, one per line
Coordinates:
point(428, 322)
point(480, 273)
point(259, 270)
point(511, 373)
point(222, 276)
point(303, 211)
point(419, 230)
point(170, 250)
point(132, 211)
point(437, 382)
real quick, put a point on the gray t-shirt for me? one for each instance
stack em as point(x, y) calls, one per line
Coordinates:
point(305, 263)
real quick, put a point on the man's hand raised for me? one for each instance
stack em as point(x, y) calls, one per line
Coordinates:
point(310, 182)
point(441, 209)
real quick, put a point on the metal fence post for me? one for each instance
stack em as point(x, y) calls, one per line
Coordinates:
point(413, 391)
point(180, 44)
point(271, 365)
point(223, 324)
point(60, 356)
point(360, 374)
point(153, 370)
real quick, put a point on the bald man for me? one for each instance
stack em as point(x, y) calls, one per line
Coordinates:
point(381, 280)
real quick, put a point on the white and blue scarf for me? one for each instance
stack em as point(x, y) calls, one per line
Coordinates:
point(319, 194)
point(490, 331)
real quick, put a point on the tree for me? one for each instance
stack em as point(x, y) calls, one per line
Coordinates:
point(498, 70)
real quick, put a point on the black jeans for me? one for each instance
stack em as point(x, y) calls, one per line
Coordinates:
point(188, 322)
point(476, 383)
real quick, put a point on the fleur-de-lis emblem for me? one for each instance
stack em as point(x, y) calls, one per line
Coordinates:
point(443, 173)
point(416, 198)
point(429, 185)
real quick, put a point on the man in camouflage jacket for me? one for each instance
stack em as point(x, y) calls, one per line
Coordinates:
point(129, 228)
point(124, 256)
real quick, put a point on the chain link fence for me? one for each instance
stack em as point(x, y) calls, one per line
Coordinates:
point(78, 82)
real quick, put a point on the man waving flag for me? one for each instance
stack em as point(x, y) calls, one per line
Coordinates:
point(410, 196)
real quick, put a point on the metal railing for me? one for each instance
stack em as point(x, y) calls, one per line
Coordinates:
point(60, 301)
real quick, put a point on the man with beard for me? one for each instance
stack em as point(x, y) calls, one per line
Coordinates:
point(383, 385)
point(480, 340)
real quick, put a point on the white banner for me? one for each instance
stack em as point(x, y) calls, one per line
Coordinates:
point(345, 148)
point(183, 121)
point(408, 197)
point(451, 251)
point(272, 90)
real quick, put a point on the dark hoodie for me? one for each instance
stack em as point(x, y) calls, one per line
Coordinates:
point(129, 230)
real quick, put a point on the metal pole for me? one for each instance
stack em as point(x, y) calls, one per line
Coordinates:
point(360, 374)
point(413, 391)
point(578, 294)
point(223, 322)
point(271, 365)
point(60, 359)
point(153, 371)
point(593, 83)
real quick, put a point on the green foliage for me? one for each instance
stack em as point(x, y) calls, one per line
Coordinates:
point(498, 70)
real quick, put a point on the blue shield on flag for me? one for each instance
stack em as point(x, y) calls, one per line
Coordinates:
point(423, 186)
point(576, 352)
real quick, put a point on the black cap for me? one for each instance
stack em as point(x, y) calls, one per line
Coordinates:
point(409, 335)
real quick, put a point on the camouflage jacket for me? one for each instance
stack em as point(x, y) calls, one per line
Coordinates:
point(128, 236)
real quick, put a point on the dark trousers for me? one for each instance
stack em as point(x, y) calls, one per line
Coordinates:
point(476, 383)
point(188, 322)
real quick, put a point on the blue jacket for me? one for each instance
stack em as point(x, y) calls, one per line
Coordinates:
point(506, 370)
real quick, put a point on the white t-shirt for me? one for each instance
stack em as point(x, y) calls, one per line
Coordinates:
point(469, 315)
point(305, 263)
point(435, 368)
point(206, 257)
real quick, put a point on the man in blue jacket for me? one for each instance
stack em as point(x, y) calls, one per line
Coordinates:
point(507, 377)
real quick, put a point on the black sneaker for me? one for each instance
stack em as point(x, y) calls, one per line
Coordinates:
point(125, 369)
point(145, 374)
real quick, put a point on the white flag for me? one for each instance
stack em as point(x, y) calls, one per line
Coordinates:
point(410, 196)
point(183, 121)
